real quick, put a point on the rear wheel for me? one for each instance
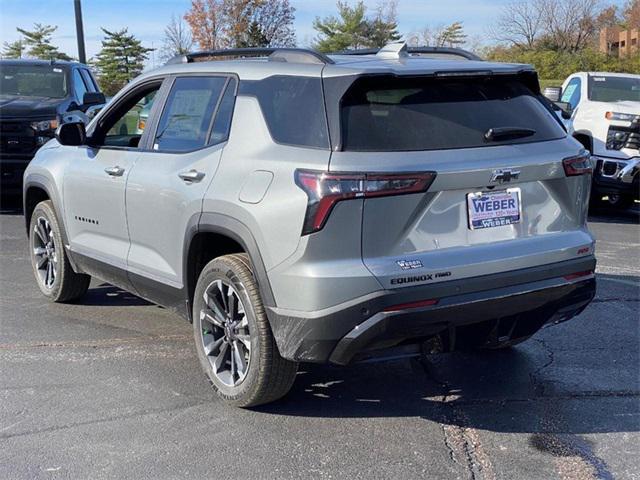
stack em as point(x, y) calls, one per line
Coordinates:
point(233, 338)
point(52, 269)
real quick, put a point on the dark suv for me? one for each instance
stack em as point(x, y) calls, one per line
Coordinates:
point(35, 97)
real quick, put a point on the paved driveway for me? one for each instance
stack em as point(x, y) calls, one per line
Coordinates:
point(111, 388)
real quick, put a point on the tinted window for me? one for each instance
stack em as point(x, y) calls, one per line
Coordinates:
point(572, 92)
point(222, 123)
point(79, 88)
point(188, 113)
point(391, 114)
point(33, 81)
point(88, 80)
point(293, 108)
point(614, 89)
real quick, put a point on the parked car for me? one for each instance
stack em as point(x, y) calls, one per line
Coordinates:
point(300, 207)
point(602, 111)
point(35, 97)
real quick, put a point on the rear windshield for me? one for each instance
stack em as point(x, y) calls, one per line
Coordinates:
point(614, 89)
point(33, 81)
point(391, 114)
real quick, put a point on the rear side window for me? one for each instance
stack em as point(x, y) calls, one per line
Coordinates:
point(391, 114)
point(188, 113)
point(293, 108)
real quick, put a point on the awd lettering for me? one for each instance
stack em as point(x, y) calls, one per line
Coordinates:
point(419, 278)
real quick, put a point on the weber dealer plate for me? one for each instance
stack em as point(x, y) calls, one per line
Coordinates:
point(494, 209)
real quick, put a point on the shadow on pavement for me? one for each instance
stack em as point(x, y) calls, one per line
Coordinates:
point(612, 215)
point(106, 295)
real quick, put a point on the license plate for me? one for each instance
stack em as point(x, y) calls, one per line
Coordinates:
point(494, 209)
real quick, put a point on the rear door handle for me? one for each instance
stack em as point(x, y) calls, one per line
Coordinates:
point(191, 176)
point(114, 171)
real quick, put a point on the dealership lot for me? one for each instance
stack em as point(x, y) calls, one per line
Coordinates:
point(111, 388)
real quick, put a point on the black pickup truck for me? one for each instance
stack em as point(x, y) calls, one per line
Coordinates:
point(35, 97)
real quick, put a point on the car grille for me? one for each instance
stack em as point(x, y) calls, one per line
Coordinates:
point(17, 138)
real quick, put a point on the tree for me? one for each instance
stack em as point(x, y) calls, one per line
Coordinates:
point(352, 29)
point(272, 25)
point(383, 27)
point(13, 49)
point(120, 60)
point(219, 24)
point(632, 14)
point(177, 39)
point(344, 32)
point(207, 21)
point(452, 36)
point(520, 24)
point(39, 42)
point(570, 25)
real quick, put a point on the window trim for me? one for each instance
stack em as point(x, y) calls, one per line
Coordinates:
point(171, 81)
point(126, 95)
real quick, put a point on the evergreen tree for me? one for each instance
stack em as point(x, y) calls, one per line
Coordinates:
point(453, 36)
point(120, 60)
point(13, 49)
point(353, 29)
point(39, 42)
point(348, 31)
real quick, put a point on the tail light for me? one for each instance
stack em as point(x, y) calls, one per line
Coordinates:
point(325, 189)
point(578, 165)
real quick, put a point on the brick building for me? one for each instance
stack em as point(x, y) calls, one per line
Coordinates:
point(615, 41)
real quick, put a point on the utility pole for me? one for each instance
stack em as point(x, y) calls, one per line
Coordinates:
point(82, 56)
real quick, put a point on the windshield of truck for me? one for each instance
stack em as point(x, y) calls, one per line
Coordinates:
point(614, 89)
point(47, 81)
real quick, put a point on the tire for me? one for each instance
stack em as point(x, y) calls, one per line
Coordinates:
point(54, 274)
point(243, 338)
point(620, 202)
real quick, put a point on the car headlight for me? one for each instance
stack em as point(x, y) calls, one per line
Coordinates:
point(623, 117)
point(45, 130)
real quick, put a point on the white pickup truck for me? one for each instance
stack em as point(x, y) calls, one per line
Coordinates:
point(602, 111)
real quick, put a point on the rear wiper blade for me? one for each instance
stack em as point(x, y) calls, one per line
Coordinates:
point(507, 133)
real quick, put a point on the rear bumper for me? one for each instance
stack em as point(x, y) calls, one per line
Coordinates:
point(513, 304)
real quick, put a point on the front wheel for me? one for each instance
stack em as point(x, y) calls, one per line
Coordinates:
point(620, 202)
point(233, 337)
point(54, 274)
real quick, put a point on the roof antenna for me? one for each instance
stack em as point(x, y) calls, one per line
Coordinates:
point(393, 50)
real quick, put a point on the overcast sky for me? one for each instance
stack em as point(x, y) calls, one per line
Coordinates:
point(147, 18)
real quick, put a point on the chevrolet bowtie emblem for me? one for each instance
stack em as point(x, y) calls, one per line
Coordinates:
point(504, 175)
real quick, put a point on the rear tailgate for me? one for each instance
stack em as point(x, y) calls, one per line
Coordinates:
point(496, 150)
point(424, 238)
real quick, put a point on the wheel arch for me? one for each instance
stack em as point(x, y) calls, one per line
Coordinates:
point(218, 235)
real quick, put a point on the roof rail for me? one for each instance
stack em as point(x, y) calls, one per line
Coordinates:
point(293, 55)
point(397, 50)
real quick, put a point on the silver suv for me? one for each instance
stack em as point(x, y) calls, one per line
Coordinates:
point(298, 207)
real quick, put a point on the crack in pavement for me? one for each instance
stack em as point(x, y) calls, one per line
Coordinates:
point(538, 388)
point(105, 420)
point(460, 441)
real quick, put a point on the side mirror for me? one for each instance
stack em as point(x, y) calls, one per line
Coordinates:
point(93, 98)
point(71, 134)
point(554, 94)
point(565, 108)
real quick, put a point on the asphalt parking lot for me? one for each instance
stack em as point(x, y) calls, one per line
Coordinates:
point(111, 388)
